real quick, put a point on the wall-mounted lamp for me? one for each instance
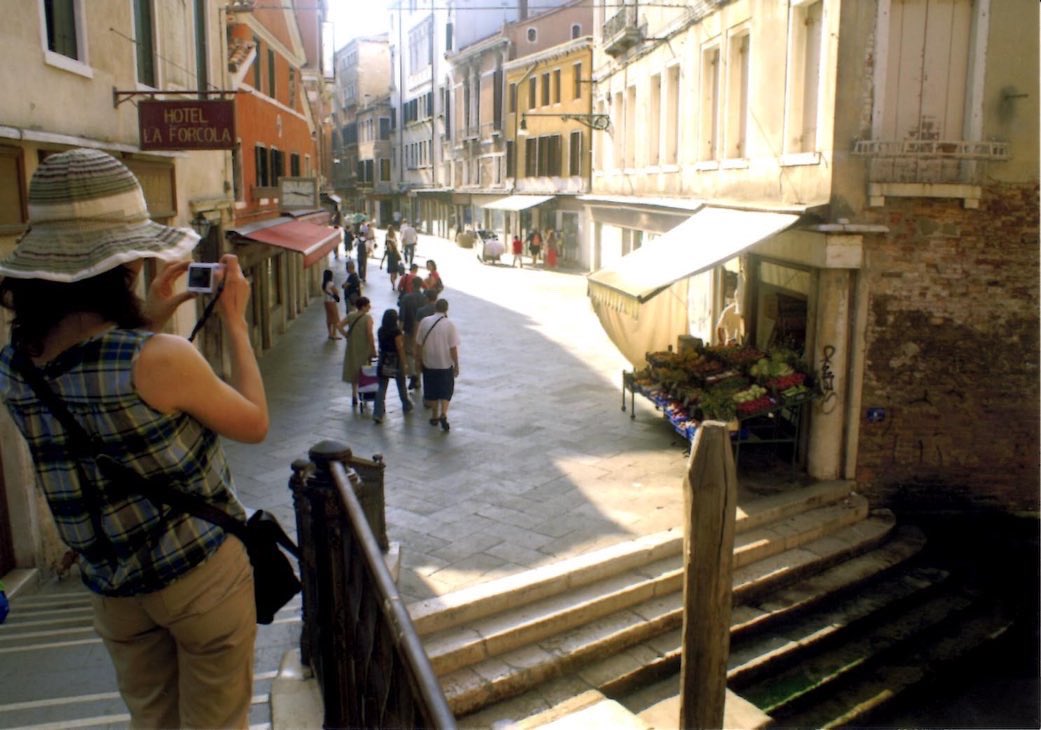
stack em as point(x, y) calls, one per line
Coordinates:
point(201, 225)
point(522, 130)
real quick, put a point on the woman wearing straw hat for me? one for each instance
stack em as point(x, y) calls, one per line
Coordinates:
point(172, 593)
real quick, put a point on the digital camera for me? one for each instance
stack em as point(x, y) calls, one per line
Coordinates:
point(202, 278)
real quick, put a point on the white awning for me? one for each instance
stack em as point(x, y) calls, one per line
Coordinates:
point(518, 202)
point(707, 238)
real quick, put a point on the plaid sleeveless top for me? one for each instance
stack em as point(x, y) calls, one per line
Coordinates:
point(143, 546)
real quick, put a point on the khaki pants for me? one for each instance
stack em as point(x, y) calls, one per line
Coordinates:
point(184, 654)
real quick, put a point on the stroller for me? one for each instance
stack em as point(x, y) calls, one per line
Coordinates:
point(368, 386)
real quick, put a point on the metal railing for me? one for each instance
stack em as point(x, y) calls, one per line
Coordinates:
point(357, 635)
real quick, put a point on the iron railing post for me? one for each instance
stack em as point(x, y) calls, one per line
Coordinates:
point(308, 557)
point(328, 625)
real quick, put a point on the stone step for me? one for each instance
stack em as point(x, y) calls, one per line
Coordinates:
point(823, 675)
point(496, 678)
point(785, 605)
point(465, 606)
point(515, 627)
point(854, 705)
point(785, 645)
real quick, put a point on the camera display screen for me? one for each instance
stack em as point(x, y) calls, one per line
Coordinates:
point(199, 278)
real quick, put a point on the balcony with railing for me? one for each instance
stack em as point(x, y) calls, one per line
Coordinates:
point(622, 31)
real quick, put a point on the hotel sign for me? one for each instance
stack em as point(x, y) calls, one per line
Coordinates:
point(186, 125)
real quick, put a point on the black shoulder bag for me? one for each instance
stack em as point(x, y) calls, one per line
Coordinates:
point(274, 581)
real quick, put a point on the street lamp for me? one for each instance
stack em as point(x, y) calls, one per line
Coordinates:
point(201, 224)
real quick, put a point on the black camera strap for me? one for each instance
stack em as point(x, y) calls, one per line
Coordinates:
point(87, 446)
point(206, 312)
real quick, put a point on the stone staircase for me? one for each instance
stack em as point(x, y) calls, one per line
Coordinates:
point(834, 612)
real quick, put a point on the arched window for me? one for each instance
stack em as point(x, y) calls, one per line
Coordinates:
point(576, 31)
point(532, 35)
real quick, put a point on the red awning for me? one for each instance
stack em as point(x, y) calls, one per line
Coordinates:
point(314, 242)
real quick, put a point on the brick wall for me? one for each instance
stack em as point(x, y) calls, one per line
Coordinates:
point(952, 354)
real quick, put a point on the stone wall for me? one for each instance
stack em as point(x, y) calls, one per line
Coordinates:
point(952, 354)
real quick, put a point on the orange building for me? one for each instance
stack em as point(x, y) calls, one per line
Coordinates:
point(273, 55)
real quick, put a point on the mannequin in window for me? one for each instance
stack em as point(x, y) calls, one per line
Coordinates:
point(730, 327)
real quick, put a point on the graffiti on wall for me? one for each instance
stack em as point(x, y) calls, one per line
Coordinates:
point(827, 381)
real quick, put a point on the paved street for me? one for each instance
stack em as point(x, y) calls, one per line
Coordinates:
point(540, 464)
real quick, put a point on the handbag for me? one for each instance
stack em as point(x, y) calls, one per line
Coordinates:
point(389, 365)
point(274, 581)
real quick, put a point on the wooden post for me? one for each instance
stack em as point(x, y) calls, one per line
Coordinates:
point(710, 501)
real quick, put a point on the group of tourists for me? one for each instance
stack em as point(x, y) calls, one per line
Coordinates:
point(414, 343)
point(535, 241)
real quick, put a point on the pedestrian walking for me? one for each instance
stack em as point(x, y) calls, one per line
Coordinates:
point(410, 305)
point(351, 287)
point(332, 300)
point(361, 347)
point(551, 248)
point(437, 354)
point(393, 261)
point(409, 238)
point(410, 282)
point(362, 253)
point(433, 280)
point(517, 247)
point(172, 594)
point(534, 245)
point(392, 363)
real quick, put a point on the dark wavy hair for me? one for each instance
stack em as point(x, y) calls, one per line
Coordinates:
point(39, 305)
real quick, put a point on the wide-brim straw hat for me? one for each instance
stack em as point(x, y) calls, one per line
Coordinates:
point(87, 215)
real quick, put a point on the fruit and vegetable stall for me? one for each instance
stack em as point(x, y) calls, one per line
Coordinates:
point(761, 394)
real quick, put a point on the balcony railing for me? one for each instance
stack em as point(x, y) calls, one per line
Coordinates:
point(622, 31)
point(357, 635)
point(929, 160)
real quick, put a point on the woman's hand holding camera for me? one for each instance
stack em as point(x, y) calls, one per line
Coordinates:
point(161, 302)
point(235, 297)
